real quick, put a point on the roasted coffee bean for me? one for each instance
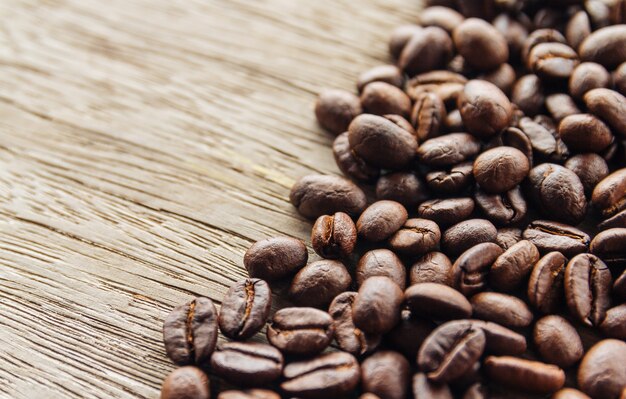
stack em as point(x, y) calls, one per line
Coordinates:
point(448, 150)
point(469, 272)
point(428, 49)
point(500, 169)
point(434, 267)
point(376, 309)
point(317, 195)
point(528, 94)
point(428, 115)
point(446, 84)
point(558, 193)
point(349, 163)
point(186, 383)
point(444, 17)
point(436, 302)
point(249, 394)
point(464, 235)
point(598, 13)
point(380, 142)
point(552, 61)
point(561, 105)
point(503, 309)
point(329, 375)
point(383, 73)
point(588, 283)
point(616, 221)
point(318, 283)
point(614, 324)
point(557, 341)
point(544, 142)
point(602, 373)
point(501, 340)
point(512, 267)
point(245, 308)
point(508, 236)
point(381, 262)
point(424, 388)
point(368, 396)
point(548, 17)
point(605, 46)
point(610, 246)
point(590, 168)
point(609, 196)
point(190, 332)
point(386, 374)
point(381, 220)
point(451, 350)
point(514, 31)
point(335, 109)
point(541, 36)
point(247, 363)
point(401, 122)
point(485, 109)
point(334, 236)
point(480, 44)
point(476, 391)
point(609, 106)
point(300, 331)
point(446, 212)
point(588, 76)
point(503, 77)
point(619, 78)
point(404, 187)
point(545, 287)
point(453, 121)
point(348, 336)
point(453, 181)
point(416, 237)
point(578, 29)
point(525, 375)
point(503, 209)
point(552, 236)
point(275, 258)
point(585, 132)
point(569, 393)
point(407, 337)
point(400, 37)
point(380, 98)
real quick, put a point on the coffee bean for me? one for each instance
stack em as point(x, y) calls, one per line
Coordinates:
point(451, 350)
point(552, 61)
point(401, 122)
point(380, 98)
point(469, 272)
point(501, 340)
point(464, 235)
point(380, 142)
point(386, 374)
point(476, 391)
point(434, 267)
point(186, 383)
point(376, 309)
point(482, 46)
point(448, 150)
point(619, 79)
point(548, 17)
point(383, 73)
point(561, 105)
point(334, 236)
point(317, 195)
point(609, 106)
point(512, 267)
point(476, 8)
point(381, 220)
point(249, 394)
point(578, 29)
point(245, 308)
point(447, 85)
point(247, 363)
point(610, 246)
point(423, 388)
point(350, 338)
point(557, 341)
point(619, 287)
point(553, 236)
point(585, 132)
point(569, 393)
point(602, 373)
point(503, 77)
point(400, 37)
point(446, 212)
point(503, 209)
point(407, 337)
point(590, 168)
point(318, 283)
point(300, 331)
point(605, 46)
point(614, 324)
point(190, 332)
point(587, 288)
point(335, 109)
point(609, 196)
point(404, 187)
point(275, 258)
point(500, 169)
point(416, 237)
point(436, 302)
point(485, 109)
point(427, 50)
point(453, 121)
point(444, 17)
point(545, 287)
point(527, 93)
point(543, 141)
point(349, 163)
point(451, 181)
point(540, 36)
point(525, 374)
point(616, 221)
point(598, 13)
point(588, 76)
point(327, 376)
point(381, 262)
point(503, 309)
point(427, 116)
point(508, 236)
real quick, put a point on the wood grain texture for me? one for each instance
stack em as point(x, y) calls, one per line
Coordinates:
point(144, 145)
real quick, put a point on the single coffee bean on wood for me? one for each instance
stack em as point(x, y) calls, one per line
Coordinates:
point(525, 375)
point(334, 236)
point(588, 288)
point(317, 195)
point(377, 306)
point(318, 283)
point(557, 341)
point(335, 109)
point(381, 262)
point(437, 302)
point(245, 308)
point(247, 363)
point(381, 220)
point(350, 338)
point(186, 382)
point(300, 331)
point(275, 258)
point(387, 374)
point(601, 373)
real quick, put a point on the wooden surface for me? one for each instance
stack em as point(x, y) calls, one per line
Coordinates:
point(144, 145)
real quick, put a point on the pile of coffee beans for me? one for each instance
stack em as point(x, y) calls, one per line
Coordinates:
point(476, 247)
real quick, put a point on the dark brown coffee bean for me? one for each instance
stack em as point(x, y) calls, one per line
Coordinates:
point(275, 258)
point(329, 375)
point(614, 324)
point(400, 37)
point(350, 338)
point(578, 29)
point(561, 105)
point(501, 340)
point(446, 212)
point(248, 394)
point(317, 195)
point(543, 140)
point(525, 375)
point(610, 246)
point(500, 169)
point(528, 95)
point(386, 374)
point(585, 132)
point(427, 50)
point(247, 363)
point(545, 287)
point(424, 388)
point(469, 272)
point(511, 268)
point(619, 78)
point(383, 73)
point(609, 196)
point(569, 393)
point(416, 237)
point(508, 236)
point(588, 283)
point(448, 150)
point(186, 383)
point(334, 236)
point(381, 220)
point(616, 221)
point(190, 332)
point(503, 309)
point(610, 106)
point(434, 267)
point(376, 309)
point(451, 350)
point(482, 45)
point(445, 84)
point(335, 109)
point(503, 209)
point(318, 283)
point(380, 142)
point(464, 235)
point(590, 168)
point(444, 17)
point(437, 302)
point(541, 36)
point(300, 331)
point(404, 187)
point(485, 109)
point(401, 122)
point(548, 17)
point(557, 341)
point(552, 61)
point(427, 116)
point(619, 288)
point(381, 262)
point(552, 236)
point(380, 98)
point(245, 308)
point(349, 163)
point(602, 373)
point(453, 181)
point(407, 337)
point(588, 76)
point(503, 77)
point(605, 46)
point(453, 121)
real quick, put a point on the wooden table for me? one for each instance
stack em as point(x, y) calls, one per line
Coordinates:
point(144, 145)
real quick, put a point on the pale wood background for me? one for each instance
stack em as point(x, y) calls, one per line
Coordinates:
point(144, 145)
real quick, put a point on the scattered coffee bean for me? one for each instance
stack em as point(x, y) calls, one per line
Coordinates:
point(588, 283)
point(380, 98)
point(428, 49)
point(500, 169)
point(525, 374)
point(381, 262)
point(585, 132)
point(557, 341)
point(609, 106)
point(464, 235)
point(578, 29)
point(528, 94)
point(588, 76)
point(444, 17)
point(503, 77)
point(446, 212)
point(545, 143)
point(335, 109)
point(448, 150)
point(245, 308)
point(503, 309)
point(318, 283)
point(545, 287)
point(424, 388)
point(404, 187)
point(187, 382)
point(561, 105)
point(553, 236)
point(428, 115)
point(383, 73)
point(508, 236)
point(512, 267)
point(386, 374)
point(349, 163)
point(480, 44)
point(334, 236)
point(416, 237)
point(501, 340)
point(436, 302)
point(247, 363)
point(381, 220)
point(350, 338)
point(590, 168)
point(275, 258)
point(609, 196)
point(376, 309)
point(485, 109)
point(552, 61)
point(451, 181)
point(300, 331)
point(601, 373)
point(317, 195)
point(614, 324)
point(407, 337)
point(605, 46)
point(400, 37)
point(610, 246)
point(434, 267)
point(469, 272)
